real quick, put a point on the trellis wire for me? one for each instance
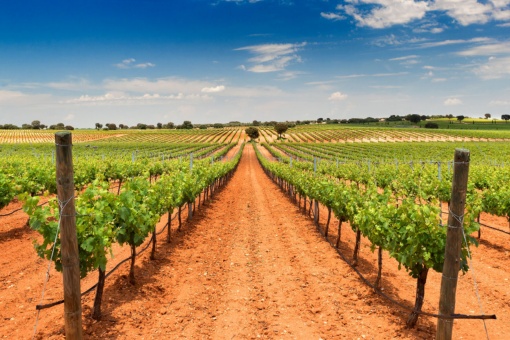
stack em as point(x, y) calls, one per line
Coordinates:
point(61, 206)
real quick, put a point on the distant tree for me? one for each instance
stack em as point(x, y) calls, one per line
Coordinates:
point(414, 118)
point(10, 127)
point(111, 126)
point(26, 126)
point(487, 115)
point(320, 120)
point(122, 126)
point(159, 125)
point(69, 127)
point(36, 125)
point(252, 132)
point(506, 118)
point(187, 125)
point(151, 127)
point(218, 125)
point(431, 125)
point(60, 126)
point(141, 126)
point(256, 123)
point(281, 128)
point(99, 126)
point(460, 118)
point(169, 125)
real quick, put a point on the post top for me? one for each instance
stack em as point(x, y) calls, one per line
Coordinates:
point(62, 133)
point(462, 155)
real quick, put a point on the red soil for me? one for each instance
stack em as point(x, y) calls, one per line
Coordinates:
point(250, 264)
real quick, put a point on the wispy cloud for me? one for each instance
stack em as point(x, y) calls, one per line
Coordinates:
point(452, 102)
point(8, 95)
point(130, 63)
point(487, 50)
point(386, 87)
point(332, 16)
point(407, 57)
point(407, 61)
point(455, 42)
point(271, 57)
point(120, 98)
point(349, 76)
point(499, 103)
point(288, 75)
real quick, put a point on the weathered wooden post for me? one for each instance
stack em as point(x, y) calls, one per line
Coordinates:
point(453, 244)
point(68, 237)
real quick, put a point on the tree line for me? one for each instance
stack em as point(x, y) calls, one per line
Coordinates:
point(413, 118)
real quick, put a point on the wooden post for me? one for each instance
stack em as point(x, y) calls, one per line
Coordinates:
point(453, 244)
point(68, 237)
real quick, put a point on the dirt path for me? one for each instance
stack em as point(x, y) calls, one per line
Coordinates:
point(249, 265)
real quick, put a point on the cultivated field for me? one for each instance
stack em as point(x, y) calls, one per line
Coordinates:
point(254, 249)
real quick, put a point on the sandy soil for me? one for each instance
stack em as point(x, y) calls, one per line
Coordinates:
point(249, 265)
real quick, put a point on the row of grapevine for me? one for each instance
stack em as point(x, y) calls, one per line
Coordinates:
point(410, 231)
point(488, 184)
point(34, 174)
point(345, 133)
point(129, 217)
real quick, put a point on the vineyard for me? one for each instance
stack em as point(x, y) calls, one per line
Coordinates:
point(329, 233)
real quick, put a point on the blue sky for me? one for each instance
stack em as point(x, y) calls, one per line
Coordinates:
point(81, 62)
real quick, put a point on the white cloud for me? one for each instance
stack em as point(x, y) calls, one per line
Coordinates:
point(452, 102)
point(130, 63)
point(439, 80)
point(385, 13)
point(144, 65)
point(126, 63)
point(466, 12)
point(337, 96)
point(271, 57)
point(332, 16)
point(494, 68)
point(487, 50)
point(214, 89)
